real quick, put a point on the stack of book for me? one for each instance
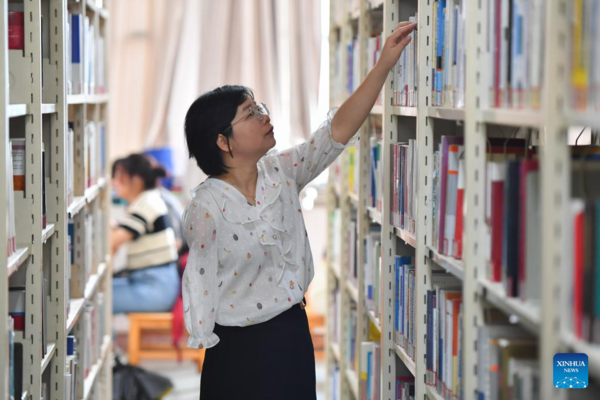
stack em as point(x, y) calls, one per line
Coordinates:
point(583, 279)
point(353, 65)
point(513, 244)
point(86, 71)
point(405, 388)
point(448, 196)
point(449, 53)
point(515, 48)
point(507, 363)
point(352, 253)
point(585, 55)
point(404, 305)
point(372, 270)
point(405, 183)
point(406, 73)
point(444, 335)
point(374, 46)
point(375, 187)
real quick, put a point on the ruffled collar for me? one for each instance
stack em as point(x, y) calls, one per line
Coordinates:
point(233, 205)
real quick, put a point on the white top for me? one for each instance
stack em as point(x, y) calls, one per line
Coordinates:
point(153, 241)
point(248, 264)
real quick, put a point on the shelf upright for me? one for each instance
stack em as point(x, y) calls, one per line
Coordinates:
point(555, 170)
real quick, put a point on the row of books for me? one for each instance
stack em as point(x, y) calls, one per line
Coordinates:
point(336, 222)
point(352, 332)
point(444, 346)
point(585, 287)
point(94, 326)
point(513, 220)
point(353, 65)
point(370, 375)
point(448, 196)
point(94, 156)
point(372, 270)
point(352, 253)
point(16, 156)
point(583, 278)
point(404, 305)
point(585, 55)
point(405, 388)
point(406, 72)
point(93, 226)
point(374, 46)
point(335, 388)
point(335, 309)
point(405, 163)
point(11, 224)
point(353, 169)
point(375, 183)
point(508, 366)
point(515, 48)
point(449, 53)
point(86, 69)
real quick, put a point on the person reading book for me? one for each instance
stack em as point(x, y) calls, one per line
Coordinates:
point(150, 282)
point(250, 262)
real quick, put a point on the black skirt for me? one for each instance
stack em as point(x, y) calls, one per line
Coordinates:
point(273, 360)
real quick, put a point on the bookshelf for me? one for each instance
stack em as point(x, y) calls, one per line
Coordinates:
point(60, 298)
point(476, 123)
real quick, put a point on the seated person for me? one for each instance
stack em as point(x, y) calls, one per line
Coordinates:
point(151, 282)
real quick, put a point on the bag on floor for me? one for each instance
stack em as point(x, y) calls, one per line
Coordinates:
point(134, 383)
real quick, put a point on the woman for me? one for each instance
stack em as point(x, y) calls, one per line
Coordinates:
point(151, 283)
point(250, 262)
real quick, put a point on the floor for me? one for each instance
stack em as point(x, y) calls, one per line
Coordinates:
point(186, 378)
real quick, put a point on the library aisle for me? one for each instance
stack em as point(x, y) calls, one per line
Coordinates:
point(56, 297)
point(463, 227)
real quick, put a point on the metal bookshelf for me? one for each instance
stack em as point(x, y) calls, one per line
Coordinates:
point(542, 319)
point(36, 106)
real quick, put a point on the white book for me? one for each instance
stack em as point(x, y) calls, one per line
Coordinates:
point(533, 234)
point(504, 53)
point(537, 52)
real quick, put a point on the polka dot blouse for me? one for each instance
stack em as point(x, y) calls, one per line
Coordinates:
point(248, 264)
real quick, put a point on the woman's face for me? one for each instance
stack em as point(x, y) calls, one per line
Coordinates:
point(251, 138)
point(122, 183)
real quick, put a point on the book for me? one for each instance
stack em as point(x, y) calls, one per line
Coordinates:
point(76, 57)
point(16, 30)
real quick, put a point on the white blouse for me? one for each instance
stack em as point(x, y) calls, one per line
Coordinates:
point(248, 264)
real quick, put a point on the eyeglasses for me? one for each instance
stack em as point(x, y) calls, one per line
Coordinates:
point(259, 111)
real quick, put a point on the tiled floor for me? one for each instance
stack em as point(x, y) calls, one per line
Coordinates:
point(186, 378)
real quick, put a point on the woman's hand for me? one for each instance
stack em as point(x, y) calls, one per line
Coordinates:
point(395, 44)
point(353, 113)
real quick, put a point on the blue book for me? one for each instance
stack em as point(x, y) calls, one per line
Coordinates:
point(71, 233)
point(76, 38)
point(396, 295)
point(430, 294)
point(440, 50)
point(369, 372)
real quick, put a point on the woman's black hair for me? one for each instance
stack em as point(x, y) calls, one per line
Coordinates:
point(143, 166)
point(210, 115)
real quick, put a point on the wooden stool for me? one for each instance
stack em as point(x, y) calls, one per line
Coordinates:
point(156, 322)
point(316, 325)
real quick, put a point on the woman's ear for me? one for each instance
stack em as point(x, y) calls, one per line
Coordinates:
point(223, 143)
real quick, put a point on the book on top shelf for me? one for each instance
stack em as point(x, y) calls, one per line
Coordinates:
point(515, 48)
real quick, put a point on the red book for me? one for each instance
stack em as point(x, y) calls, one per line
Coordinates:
point(498, 172)
point(460, 200)
point(578, 239)
point(16, 30)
